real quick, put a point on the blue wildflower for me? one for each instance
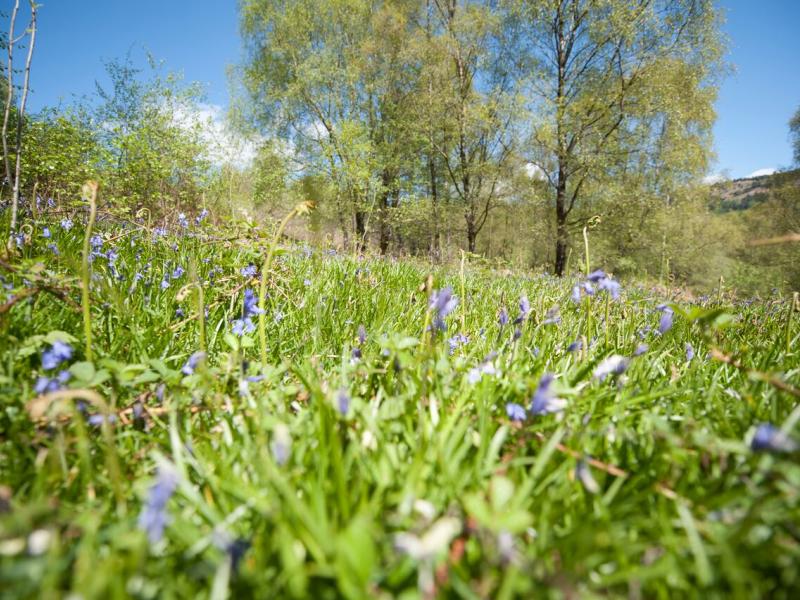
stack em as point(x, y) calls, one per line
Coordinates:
point(515, 412)
point(596, 276)
point(250, 304)
point(552, 317)
point(242, 326)
point(154, 517)
point(362, 335)
point(641, 349)
point(96, 242)
point(249, 271)
point(191, 364)
point(769, 438)
point(665, 324)
point(343, 401)
point(201, 217)
point(575, 346)
point(544, 400)
point(54, 249)
point(442, 303)
point(611, 365)
point(66, 223)
point(524, 310)
point(56, 354)
point(46, 233)
point(689, 352)
point(281, 444)
point(183, 221)
point(502, 318)
point(178, 272)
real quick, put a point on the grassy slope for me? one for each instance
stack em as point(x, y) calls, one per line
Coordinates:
point(682, 502)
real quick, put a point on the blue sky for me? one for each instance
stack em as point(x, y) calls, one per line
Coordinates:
point(200, 39)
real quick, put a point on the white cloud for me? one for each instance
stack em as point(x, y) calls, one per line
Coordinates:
point(535, 172)
point(762, 172)
point(714, 178)
point(223, 144)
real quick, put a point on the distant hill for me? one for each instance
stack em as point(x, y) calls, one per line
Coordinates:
point(741, 194)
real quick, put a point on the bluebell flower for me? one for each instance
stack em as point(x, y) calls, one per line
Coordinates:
point(457, 340)
point(191, 364)
point(56, 354)
point(96, 242)
point(641, 349)
point(544, 400)
point(242, 326)
point(66, 223)
point(179, 313)
point(611, 365)
point(96, 420)
point(515, 412)
point(201, 217)
point(178, 272)
point(575, 346)
point(584, 474)
point(665, 324)
point(502, 318)
point(19, 239)
point(154, 517)
point(281, 444)
point(524, 310)
point(343, 401)
point(54, 249)
point(689, 352)
point(159, 232)
point(306, 282)
point(442, 303)
point(165, 282)
point(596, 276)
point(769, 438)
point(249, 271)
point(46, 233)
point(576, 293)
point(611, 286)
point(183, 221)
point(362, 335)
point(250, 304)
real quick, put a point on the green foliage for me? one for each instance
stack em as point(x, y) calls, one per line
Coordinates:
point(646, 483)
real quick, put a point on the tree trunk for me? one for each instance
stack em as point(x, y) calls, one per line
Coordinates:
point(472, 232)
point(561, 222)
point(361, 230)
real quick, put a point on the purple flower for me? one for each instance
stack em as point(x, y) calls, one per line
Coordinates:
point(46, 233)
point(362, 335)
point(515, 412)
point(66, 223)
point(611, 286)
point(502, 318)
point(544, 400)
point(250, 304)
point(457, 340)
point(576, 293)
point(575, 346)
point(442, 303)
point(343, 401)
point(183, 221)
point(201, 217)
point(281, 444)
point(596, 276)
point(524, 310)
point(191, 364)
point(178, 272)
point(154, 517)
point(611, 365)
point(249, 271)
point(641, 349)
point(55, 355)
point(242, 326)
point(665, 323)
point(96, 420)
point(689, 352)
point(584, 474)
point(165, 283)
point(769, 438)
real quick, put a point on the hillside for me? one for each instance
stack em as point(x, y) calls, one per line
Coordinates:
point(740, 194)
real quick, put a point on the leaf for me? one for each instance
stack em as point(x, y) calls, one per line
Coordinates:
point(83, 371)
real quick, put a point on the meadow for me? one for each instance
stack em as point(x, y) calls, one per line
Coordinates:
point(396, 429)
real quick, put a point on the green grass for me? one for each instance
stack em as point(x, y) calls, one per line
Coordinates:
point(424, 486)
